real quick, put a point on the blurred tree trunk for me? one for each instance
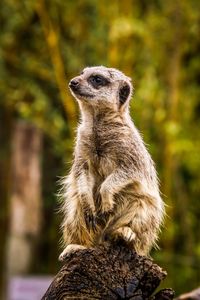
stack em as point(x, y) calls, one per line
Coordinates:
point(52, 39)
point(5, 132)
point(25, 206)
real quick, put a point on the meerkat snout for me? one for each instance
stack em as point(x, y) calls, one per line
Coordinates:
point(73, 83)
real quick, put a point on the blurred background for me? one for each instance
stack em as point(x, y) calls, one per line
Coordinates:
point(46, 43)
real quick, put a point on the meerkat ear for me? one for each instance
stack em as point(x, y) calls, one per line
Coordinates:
point(124, 93)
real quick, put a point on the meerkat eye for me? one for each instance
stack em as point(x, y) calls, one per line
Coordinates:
point(97, 81)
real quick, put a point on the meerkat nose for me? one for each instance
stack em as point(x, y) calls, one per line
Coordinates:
point(73, 83)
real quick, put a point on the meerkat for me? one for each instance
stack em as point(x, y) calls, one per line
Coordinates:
point(112, 189)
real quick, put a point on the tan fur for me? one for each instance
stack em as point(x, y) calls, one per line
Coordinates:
point(113, 182)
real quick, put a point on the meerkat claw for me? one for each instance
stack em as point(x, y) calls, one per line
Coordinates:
point(90, 220)
point(98, 200)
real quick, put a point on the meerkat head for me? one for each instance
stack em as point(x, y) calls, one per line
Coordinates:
point(102, 87)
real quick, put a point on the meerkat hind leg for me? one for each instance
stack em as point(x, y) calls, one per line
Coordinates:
point(69, 250)
point(125, 233)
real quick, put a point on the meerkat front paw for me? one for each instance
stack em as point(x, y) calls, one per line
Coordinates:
point(69, 250)
point(106, 202)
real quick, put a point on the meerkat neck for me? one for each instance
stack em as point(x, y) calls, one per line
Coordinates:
point(86, 113)
point(91, 114)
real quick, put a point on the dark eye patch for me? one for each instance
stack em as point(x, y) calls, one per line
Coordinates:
point(98, 81)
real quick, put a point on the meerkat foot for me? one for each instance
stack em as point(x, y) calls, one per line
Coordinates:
point(72, 248)
point(126, 233)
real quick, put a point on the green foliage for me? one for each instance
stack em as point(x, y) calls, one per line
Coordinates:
point(154, 42)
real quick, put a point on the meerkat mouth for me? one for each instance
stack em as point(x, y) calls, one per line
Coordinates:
point(76, 91)
point(85, 95)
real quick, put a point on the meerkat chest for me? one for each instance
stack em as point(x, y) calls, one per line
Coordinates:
point(102, 156)
point(99, 150)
